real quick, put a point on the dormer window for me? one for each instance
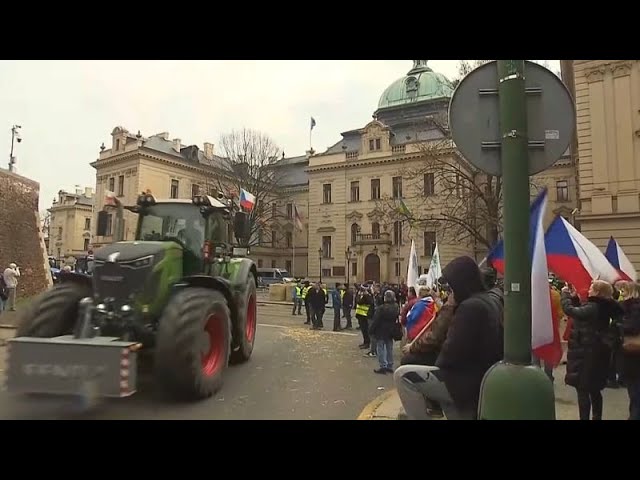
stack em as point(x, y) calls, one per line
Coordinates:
point(117, 144)
point(374, 144)
point(412, 87)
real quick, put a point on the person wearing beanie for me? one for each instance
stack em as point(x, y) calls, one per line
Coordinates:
point(384, 319)
point(474, 342)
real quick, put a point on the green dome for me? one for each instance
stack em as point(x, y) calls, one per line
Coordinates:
point(418, 85)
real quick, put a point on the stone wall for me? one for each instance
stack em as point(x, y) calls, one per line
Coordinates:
point(21, 239)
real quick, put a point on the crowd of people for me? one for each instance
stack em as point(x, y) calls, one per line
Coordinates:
point(452, 333)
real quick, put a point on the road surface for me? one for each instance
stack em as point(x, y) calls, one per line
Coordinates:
point(294, 373)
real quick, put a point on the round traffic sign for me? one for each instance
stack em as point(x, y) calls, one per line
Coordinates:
point(474, 118)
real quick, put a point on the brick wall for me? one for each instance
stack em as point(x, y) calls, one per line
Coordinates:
point(21, 240)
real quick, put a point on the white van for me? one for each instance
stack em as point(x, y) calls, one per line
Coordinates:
point(274, 275)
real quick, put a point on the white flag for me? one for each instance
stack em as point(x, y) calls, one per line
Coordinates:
point(412, 272)
point(435, 269)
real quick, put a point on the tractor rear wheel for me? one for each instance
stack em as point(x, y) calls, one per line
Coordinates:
point(53, 313)
point(193, 344)
point(244, 332)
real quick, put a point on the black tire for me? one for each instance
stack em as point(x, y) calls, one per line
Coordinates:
point(243, 337)
point(179, 365)
point(54, 312)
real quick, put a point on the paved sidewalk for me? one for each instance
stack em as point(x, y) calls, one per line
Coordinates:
point(616, 403)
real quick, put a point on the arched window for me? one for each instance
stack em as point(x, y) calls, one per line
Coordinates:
point(375, 230)
point(354, 233)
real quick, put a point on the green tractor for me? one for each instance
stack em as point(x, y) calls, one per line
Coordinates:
point(180, 298)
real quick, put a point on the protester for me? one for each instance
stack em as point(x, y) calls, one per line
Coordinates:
point(316, 300)
point(297, 299)
point(474, 343)
point(11, 275)
point(631, 359)
point(347, 305)
point(364, 311)
point(422, 312)
point(590, 344)
point(411, 300)
point(336, 302)
point(381, 329)
point(424, 349)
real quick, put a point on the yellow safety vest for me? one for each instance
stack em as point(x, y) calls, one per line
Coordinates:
point(305, 290)
point(342, 294)
point(326, 295)
point(298, 291)
point(362, 310)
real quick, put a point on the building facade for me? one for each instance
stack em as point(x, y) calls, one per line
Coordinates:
point(607, 94)
point(170, 169)
point(355, 236)
point(70, 224)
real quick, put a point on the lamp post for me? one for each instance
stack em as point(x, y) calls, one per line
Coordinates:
point(397, 264)
point(320, 258)
point(347, 256)
point(15, 136)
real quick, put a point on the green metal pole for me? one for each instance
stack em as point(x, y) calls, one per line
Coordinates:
point(515, 184)
point(514, 389)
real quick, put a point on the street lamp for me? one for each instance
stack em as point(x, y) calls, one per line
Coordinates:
point(15, 136)
point(347, 257)
point(320, 258)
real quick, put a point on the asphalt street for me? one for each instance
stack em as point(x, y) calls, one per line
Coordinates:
point(294, 374)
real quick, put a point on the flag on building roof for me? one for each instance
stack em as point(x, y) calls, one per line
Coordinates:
point(313, 123)
point(620, 261)
point(247, 200)
point(575, 259)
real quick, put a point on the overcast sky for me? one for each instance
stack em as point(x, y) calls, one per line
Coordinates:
point(68, 108)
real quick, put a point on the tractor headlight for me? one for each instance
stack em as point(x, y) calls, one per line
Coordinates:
point(142, 262)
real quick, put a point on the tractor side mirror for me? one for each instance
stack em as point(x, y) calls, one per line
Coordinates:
point(241, 227)
point(103, 223)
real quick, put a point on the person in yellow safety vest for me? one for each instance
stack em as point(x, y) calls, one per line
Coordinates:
point(364, 311)
point(297, 299)
point(305, 292)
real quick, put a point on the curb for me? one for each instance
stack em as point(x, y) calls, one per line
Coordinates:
point(369, 411)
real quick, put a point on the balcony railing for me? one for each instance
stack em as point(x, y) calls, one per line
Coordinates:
point(398, 149)
point(372, 238)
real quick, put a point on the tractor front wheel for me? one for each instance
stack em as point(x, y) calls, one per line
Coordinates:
point(193, 344)
point(53, 313)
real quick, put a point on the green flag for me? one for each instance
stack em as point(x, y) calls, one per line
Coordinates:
point(403, 209)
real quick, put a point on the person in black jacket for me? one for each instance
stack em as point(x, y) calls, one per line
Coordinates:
point(474, 342)
point(347, 305)
point(592, 337)
point(631, 360)
point(316, 299)
point(381, 329)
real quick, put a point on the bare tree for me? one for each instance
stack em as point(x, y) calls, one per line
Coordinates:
point(248, 162)
point(448, 193)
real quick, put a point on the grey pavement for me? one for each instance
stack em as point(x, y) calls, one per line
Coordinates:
point(294, 373)
point(616, 403)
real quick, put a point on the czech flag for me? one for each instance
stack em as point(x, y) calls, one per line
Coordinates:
point(575, 259)
point(545, 333)
point(620, 262)
point(420, 315)
point(247, 200)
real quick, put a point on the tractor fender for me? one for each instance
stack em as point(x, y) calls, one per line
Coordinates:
point(78, 278)
point(214, 283)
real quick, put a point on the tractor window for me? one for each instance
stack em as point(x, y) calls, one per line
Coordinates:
point(183, 222)
point(217, 229)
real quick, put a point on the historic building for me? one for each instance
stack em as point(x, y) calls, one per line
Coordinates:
point(170, 169)
point(353, 234)
point(344, 194)
point(70, 223)
point(607, 96)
